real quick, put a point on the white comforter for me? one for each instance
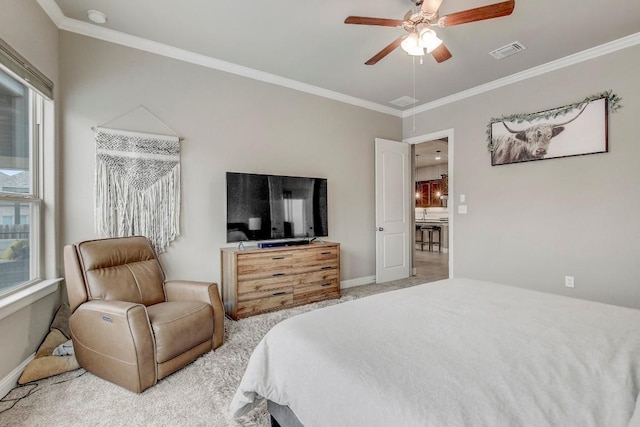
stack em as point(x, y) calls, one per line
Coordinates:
point(452, 353)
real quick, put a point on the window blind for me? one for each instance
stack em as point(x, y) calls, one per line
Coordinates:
point(15, 63)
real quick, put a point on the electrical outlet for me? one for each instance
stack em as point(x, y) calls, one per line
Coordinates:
point(569, 281)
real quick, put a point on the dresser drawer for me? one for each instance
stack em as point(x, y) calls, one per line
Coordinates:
point(266, 284)
point(265, 294)
point(264, 265)
point(316, 254)
point(314, 278)
point(316, 286)
point(315, 260)
point(258, 302)
point(308, 293)
point(315, 296)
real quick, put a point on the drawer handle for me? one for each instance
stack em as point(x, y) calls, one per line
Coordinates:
point(279, 293)
point(326, 284)
point(277, 257)
point(327, 267)
point(325, 253)
point(278, 274)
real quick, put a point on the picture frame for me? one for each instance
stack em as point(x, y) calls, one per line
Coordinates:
point(573, 130)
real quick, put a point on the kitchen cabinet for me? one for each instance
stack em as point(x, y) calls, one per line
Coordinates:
point(428, 192)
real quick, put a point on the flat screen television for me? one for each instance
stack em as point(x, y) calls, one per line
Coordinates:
point(272, 207)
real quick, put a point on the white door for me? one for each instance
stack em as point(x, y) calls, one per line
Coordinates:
point(393, 219)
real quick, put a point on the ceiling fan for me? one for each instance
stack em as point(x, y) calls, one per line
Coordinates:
point(418, 22)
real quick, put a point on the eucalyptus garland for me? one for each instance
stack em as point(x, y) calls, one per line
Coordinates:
point(613, 106)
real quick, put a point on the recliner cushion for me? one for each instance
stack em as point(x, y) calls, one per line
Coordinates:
point(135, 282)
point(124, 269)
point(179, 326)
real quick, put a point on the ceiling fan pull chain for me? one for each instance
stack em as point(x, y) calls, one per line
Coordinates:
point(414, 91)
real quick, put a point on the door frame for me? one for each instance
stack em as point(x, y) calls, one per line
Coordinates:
point(451, 202)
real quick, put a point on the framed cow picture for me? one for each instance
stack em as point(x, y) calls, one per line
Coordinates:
point(573, 130)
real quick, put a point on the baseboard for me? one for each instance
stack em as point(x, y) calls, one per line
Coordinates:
point(357, 282)
point(10, 381)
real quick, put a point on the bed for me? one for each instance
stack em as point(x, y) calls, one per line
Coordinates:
point(457, 352)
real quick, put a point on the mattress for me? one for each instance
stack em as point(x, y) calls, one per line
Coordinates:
point(457, 352)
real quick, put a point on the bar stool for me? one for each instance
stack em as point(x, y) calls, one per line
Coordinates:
point(432, 231)
point(420, 236)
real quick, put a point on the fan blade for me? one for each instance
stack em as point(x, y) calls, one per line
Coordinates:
point(386, 51)
point(430, 7)
point(363, 20)
point(441, 53)
point(478, 14)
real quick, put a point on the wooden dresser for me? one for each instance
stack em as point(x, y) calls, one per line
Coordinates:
point(260, 280)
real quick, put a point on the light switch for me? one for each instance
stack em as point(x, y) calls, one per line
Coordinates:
point(462, 209)
point(569, 281)
point(463, 198)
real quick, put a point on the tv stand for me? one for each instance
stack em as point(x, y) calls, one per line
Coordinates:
point(257, 281)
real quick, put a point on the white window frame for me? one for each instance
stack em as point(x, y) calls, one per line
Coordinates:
point(42, 234)
point(34, 197)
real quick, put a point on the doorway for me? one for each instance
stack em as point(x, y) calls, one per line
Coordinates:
point(432, 185)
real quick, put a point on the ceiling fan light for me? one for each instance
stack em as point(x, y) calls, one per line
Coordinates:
point(429, 40)
point(411, 45)
point(416, 51)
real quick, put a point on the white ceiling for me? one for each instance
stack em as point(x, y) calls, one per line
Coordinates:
point(426, 153)
point(308, 42)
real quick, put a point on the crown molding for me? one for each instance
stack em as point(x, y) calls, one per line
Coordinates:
point(117, 37)
point(52, 9)
point(585, 55)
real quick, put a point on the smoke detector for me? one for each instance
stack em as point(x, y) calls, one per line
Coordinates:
point(97, 16)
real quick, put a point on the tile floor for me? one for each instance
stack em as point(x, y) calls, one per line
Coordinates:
point(431, 266)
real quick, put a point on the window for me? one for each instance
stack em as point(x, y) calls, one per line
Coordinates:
point(22, 113)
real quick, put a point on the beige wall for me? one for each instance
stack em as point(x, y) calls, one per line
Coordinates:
point(229, 123)
point(533, 223)
point(528, 224)
point(25, 26)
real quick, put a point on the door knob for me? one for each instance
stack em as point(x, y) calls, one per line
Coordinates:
point(380, 229)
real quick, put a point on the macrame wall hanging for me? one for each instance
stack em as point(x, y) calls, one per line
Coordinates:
point(137, 184)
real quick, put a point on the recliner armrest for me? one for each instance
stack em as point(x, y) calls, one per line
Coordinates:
point(114, 340)
point(117, 308)
point(185, 290)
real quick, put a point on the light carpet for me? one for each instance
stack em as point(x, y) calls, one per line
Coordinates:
point(197, 395)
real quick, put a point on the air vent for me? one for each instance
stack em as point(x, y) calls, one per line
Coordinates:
point(404, 101)
point(508, 50)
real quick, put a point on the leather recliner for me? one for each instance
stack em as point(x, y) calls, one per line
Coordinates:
point(130, 326)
